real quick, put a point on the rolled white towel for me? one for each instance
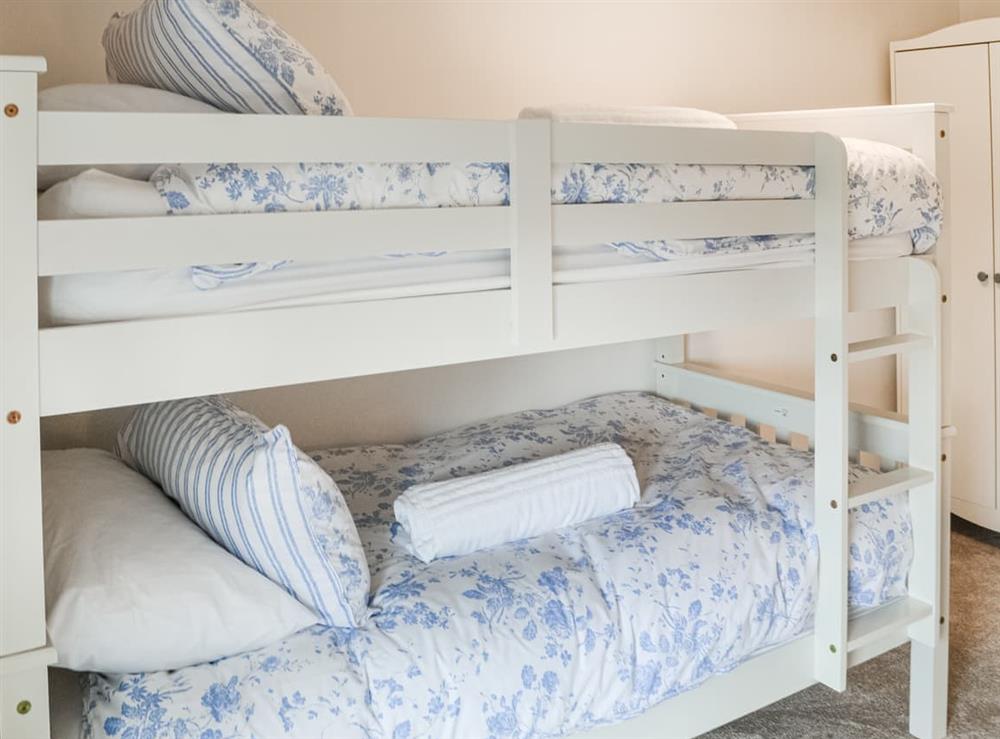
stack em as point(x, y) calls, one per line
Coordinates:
point(466, 514)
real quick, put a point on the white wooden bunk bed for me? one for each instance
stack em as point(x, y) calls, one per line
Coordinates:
point(63, 369)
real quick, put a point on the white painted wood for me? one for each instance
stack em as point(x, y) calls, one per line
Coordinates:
point(22, 594)
point(672, 349)
point(584, 225)
point(113, 364)
point(970, 32)
point(961, 75)
point(874, 625)
point(930, 515)
point(860, 351)
point(789, 411)
point(595, 142)
point(831, 432)
point(125, 138)
point(22, 64)
point(919, 127)
point(24, 678)
point(109, 244)
point(875, 487)
point(104, 365)
point(106, 244)
point(531, 256)
point(929, 689)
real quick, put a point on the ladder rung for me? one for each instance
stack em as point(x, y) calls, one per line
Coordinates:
point(874, 487)
point(885, 346)
point(881, 622)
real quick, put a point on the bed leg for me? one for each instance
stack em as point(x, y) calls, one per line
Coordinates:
point(929, 689)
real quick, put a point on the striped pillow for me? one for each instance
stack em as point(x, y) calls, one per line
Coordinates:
point(258, 496)
point(223, 52)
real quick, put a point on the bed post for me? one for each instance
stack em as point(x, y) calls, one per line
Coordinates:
point(831, 393)
point(24, 656)
point(929, 511)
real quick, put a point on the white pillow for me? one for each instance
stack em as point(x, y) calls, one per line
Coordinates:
point(132, 585)
point(644, 115)
point(225, 52)
point(112, 99)
point(257, 495)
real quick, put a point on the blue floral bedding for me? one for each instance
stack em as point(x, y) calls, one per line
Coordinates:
point(890, 192)
point(541, 637)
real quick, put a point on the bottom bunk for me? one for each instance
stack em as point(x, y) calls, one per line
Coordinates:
point(568, 631)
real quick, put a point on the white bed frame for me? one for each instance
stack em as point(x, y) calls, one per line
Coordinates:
point(52, 371)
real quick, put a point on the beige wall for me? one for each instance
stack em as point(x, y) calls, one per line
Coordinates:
point(489, 59)
point(973, 9)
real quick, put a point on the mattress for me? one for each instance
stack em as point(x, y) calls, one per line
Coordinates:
point(894, 210)
point(156, 293)
point(576, 628)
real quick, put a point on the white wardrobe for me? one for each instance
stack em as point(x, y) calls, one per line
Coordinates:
point(961, 65)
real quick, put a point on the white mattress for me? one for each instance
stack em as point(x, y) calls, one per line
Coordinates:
point(157, 293)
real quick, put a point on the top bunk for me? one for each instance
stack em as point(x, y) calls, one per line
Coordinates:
point(532, 245)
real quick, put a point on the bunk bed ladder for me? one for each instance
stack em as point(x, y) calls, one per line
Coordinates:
point(838, 640)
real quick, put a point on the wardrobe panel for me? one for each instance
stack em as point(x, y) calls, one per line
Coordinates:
point(995, 118)
point(960, 75)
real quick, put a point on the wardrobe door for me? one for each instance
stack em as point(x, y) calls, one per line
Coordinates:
point(960, 75)
point(995, 118)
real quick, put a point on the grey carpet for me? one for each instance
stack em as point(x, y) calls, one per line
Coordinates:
point(875, 703)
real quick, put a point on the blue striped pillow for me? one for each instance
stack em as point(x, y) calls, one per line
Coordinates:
point(258, 496)
point(223, 52)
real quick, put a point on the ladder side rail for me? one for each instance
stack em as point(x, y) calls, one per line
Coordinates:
point(831, 393)
point(929, 512)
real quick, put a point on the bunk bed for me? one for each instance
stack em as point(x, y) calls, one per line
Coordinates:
point(50, 368)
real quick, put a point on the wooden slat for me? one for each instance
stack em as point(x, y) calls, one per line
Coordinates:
point(108, 244)
point(767, 433)
point(799, 442)
point(710, 412)
point(129, 138)
point(869, 460)
point(739, 420)
point(741, 399)
point(593, 142)
point(587, 224)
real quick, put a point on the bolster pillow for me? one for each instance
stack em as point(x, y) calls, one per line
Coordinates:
point(466, 514)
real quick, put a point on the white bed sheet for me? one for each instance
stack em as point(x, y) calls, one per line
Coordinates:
point(157, 293)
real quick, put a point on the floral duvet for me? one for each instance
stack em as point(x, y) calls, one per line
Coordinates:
point(890, 192)
point(541, 637)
